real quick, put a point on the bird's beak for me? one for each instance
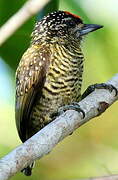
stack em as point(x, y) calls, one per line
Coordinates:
point(89, 28)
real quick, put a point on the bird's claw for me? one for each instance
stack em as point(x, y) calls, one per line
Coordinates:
point(74, 106)
point(91, 88)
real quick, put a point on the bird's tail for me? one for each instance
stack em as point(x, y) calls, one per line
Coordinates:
point(28, 170)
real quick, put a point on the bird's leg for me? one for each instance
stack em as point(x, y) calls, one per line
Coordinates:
point(91, 88)
point(74, 106)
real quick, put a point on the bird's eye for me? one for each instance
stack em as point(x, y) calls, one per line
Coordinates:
point(71, 24)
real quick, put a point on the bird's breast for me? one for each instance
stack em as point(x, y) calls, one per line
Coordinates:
point(64, 77)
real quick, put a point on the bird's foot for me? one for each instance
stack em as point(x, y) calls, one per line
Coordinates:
point(91, 88)
point(74, 106)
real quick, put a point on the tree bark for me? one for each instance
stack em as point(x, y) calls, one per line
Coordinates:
point(111, 177)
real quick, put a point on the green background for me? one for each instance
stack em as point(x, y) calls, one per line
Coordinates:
point(92, 150)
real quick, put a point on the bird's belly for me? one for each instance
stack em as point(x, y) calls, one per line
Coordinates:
point(49, 103)
point(60, 88)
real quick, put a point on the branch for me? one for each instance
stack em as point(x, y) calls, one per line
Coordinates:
point(111, 177)
point(46, 139)
point(30, 8)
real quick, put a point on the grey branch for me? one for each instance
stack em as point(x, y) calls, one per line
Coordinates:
point(46, 139)
point(30, 8)
point(112, 177)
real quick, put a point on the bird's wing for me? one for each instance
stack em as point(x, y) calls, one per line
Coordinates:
point(30, 78)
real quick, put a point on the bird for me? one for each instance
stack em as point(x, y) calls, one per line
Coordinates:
point(49, 74)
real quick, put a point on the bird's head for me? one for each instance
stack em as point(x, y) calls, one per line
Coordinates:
point(61, 27)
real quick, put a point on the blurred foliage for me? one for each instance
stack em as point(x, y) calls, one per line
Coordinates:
point(14, 47)
point(53, 5)
point(19, 41)
point(93, 149)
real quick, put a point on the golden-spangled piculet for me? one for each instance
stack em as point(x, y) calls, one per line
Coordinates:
point(49, 74)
